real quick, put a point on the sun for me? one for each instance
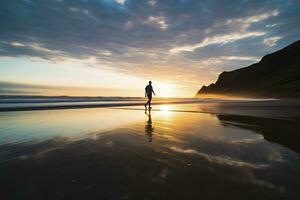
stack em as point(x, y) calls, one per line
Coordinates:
point(165, 90)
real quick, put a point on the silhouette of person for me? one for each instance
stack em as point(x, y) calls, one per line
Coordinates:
point(148, 93)
point(148, 126)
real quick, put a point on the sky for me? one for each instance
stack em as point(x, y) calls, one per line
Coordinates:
point(114, 47)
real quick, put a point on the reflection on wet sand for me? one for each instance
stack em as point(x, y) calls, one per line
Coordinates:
point(284, 132)
point(193, 156)
point(148, 127)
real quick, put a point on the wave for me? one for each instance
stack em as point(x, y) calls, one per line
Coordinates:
point(22, 103)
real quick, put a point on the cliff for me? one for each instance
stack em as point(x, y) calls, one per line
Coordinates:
point(275, 75)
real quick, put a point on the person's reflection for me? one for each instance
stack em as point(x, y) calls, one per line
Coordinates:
point(148, 126)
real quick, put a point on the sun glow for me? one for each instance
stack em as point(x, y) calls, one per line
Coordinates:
point(165, 90)
point(165, 110)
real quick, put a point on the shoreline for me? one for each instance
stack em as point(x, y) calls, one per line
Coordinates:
point(61, 107)
point(221, 103)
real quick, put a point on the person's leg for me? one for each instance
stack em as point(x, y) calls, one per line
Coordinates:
point(150, 98)
point(147, 101)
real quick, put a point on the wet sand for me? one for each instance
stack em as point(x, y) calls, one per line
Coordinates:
point(185, 151)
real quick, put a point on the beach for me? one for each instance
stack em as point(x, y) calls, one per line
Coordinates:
point(181, 150)
point(149, 100)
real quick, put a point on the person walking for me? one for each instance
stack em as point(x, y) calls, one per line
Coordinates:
point(148, 92)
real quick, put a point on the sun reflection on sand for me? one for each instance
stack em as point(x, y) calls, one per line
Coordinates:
point(165, 110)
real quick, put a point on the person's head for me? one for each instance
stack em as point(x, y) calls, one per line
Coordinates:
point(150, 82)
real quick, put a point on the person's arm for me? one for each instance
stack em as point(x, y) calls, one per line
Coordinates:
point(153, 92)
point(145, 93)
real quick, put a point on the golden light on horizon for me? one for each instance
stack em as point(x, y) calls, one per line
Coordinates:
point(165, 90)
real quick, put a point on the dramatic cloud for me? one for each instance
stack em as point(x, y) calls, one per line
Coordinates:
point(223, 39)
point(187, 40)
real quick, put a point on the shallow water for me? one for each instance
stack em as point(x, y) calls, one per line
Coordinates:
point(190, 151)
point(28, 103)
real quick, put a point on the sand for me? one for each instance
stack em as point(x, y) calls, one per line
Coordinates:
point(178, 151)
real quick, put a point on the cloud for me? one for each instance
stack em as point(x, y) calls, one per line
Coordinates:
point(241, 23)
point(9, 88)
point(152, 2)
point(17, 44)
point(121, 1)
point(222, 39)
point(251, 58)
point(271, 41)
point(159, 21)
point(248, 21)
point(139, 37)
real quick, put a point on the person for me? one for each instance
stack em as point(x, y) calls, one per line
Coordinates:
point(148, 93)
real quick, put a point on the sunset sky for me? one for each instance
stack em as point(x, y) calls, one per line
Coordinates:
point(114, 47)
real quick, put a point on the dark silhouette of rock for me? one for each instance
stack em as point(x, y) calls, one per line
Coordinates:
point(275, 75)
